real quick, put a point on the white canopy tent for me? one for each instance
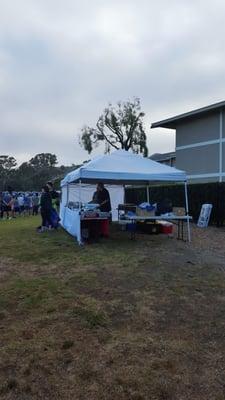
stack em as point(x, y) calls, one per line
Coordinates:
point(124, 167)
point(118, 168)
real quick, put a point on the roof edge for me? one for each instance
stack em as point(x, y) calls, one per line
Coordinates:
point(173, 121)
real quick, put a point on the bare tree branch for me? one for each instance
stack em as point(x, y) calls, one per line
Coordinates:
point(105, 137)
point(118, 127)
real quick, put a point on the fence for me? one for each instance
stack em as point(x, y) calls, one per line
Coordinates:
point(198, 194)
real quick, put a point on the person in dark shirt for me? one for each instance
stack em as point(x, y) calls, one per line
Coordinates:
point(54, 195)
point(164, 206)
point(103, 198)
point(95, 197)
point(7, 198)
point(46, 206)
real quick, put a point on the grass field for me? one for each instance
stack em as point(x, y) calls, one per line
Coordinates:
point(115, 320)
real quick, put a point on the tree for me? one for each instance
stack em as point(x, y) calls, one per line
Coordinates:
point(7, 165)
point(24, 176)
point(43, 160)
point(120, 127)
point(44, 168)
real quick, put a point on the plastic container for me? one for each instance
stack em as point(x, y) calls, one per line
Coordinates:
point(131, 227)
point(166, 228)
point(148, 228)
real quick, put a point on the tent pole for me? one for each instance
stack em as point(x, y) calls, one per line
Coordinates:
point(124, 194)
point(79, 194)
point(67, 195)
point(80, 237)
point(147, 191)
point(187, 212)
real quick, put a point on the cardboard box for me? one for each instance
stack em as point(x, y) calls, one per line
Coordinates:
point(180, 211)
point(144, 213)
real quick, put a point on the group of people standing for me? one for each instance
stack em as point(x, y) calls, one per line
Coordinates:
point(13, 204)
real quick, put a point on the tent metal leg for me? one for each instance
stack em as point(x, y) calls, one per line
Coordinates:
point(147, 193)
point(187, 213)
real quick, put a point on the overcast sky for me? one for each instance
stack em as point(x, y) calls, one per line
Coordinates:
point(62, 62)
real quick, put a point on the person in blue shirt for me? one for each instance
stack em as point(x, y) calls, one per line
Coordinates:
point(27, 204)
point(35, 203)
point(16, 208)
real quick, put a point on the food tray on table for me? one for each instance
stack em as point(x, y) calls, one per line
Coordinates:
point(104, 214)
point(89, 214)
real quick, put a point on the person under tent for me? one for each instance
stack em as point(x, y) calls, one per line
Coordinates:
point(102, 197)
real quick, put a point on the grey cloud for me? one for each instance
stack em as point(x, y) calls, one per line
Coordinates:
point(62, 62)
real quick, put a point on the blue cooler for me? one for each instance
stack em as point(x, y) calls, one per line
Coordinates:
point(131, 227)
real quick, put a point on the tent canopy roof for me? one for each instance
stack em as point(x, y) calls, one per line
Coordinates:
point(123, 167)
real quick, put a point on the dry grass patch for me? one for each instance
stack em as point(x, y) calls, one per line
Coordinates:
point(120, 319)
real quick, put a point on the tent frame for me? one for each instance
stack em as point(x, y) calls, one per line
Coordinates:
point(147, 196)
point(117, 169)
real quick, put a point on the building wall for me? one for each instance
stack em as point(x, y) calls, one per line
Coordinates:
point(201, 160)
point(198, 130)
point(200, 148)
point(223, 157)
point(223, 126)
point(202, 180)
